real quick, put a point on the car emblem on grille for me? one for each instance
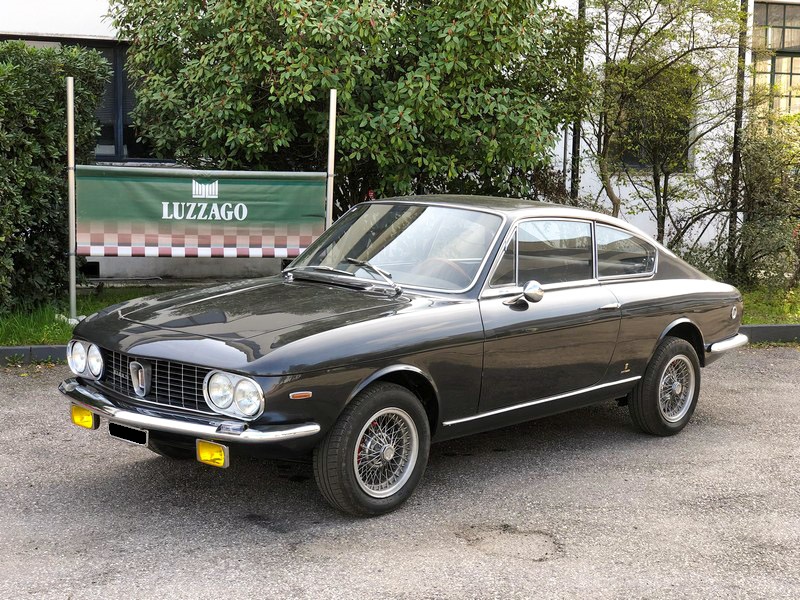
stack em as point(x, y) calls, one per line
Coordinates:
point(140, 378)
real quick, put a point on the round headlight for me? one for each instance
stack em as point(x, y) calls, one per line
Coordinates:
point(77, 357)
point(247, 397)
point(220, 390)
point(95, 360)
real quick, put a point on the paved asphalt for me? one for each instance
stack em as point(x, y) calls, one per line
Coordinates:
point(576, 506)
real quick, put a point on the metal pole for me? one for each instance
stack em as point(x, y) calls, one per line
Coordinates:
point(564, 160)
point(73, 313)
point(575, 169)
point(331, 151)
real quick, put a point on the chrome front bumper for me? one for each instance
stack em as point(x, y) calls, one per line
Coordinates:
point(196, 426)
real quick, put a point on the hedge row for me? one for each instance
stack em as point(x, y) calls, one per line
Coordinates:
point(33, 163)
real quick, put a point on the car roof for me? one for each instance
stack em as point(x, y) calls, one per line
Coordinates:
point(514, 208)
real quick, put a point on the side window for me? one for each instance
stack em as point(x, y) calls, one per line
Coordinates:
point(554, 251)
point(505, 274)
point(622, 253)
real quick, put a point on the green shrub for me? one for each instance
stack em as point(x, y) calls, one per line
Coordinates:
point(33, 163)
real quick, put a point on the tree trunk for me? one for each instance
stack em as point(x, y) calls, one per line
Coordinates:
point(732, 266)
point(605, 178)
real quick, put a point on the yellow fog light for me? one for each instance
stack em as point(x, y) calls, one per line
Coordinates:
point(211, 453)
point(84, 418)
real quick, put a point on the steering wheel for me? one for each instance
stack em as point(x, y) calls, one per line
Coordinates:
point(441, 267)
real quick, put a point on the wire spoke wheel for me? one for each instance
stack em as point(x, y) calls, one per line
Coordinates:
point(665, 397)
point(676, 388)
point(386, 452)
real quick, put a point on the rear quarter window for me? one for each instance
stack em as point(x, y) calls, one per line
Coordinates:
point(621, 253)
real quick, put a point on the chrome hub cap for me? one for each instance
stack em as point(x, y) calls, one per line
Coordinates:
point(386, 452)
point(676, 389)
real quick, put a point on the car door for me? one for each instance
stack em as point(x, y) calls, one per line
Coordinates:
point(560, 344)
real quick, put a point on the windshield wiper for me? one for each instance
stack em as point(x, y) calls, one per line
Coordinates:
point(386, 276)
point(325, 268)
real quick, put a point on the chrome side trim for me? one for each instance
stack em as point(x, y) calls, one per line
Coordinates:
point(491, 413)
point(209, 429)
point(736, 341)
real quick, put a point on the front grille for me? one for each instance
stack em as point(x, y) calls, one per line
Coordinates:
point(173, 384)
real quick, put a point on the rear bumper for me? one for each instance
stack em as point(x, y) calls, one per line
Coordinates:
point(195, 426)
point(717, 349)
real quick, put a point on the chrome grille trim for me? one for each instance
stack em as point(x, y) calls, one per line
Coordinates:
point(174, 384)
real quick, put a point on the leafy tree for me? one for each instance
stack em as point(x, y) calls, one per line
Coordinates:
point(662, 84)
point(33, 164)
point(768, 243)
point(433, 96)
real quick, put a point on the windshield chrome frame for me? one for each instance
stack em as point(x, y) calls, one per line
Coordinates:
point(408, 286)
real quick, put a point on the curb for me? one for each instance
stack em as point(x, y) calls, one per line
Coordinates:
point(771, 333)
point(29, 354)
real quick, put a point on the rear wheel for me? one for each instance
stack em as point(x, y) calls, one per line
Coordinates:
point(374, 456)
point(665, 398)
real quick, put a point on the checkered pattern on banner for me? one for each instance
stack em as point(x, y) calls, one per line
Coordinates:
point(98, 238)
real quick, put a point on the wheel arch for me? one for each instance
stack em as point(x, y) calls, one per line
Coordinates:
point(687, 330)
point(413, 379)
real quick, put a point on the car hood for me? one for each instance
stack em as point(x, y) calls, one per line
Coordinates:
point(253, 308)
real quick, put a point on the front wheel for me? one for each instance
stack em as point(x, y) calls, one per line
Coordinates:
point(372, 459)
point(665, 398)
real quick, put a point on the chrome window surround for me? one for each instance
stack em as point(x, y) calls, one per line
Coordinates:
point(644, 275)
point(496, 292)
point(481, 267)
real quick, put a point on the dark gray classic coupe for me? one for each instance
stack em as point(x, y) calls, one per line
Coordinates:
point(411, 320)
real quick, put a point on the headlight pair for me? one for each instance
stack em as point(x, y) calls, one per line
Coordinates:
point(85, 359)
point(233, 395)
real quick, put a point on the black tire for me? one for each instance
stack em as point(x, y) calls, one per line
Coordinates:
point(169, 451)
point(357, 469)
point(665, 398)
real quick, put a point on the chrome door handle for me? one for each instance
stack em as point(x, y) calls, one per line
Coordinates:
point(612, 306)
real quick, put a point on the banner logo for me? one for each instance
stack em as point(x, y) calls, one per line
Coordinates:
point(205, 190)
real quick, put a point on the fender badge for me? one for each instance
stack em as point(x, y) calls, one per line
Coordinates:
point(627, 369)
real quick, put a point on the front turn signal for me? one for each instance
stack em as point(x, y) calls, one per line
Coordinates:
point(211, 453)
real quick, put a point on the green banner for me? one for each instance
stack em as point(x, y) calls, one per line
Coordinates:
point(133, 211)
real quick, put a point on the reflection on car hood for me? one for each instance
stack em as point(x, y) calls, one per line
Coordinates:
point(248, 309)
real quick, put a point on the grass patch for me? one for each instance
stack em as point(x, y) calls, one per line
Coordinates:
point(40, 327)
point(771, 307)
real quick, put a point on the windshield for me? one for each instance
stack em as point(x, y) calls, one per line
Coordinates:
point(430, 247)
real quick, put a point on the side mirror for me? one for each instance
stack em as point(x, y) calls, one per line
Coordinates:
point(531, 292)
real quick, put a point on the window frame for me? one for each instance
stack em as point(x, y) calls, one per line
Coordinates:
point(118, 49)
point(646, 275)
point(490, 291)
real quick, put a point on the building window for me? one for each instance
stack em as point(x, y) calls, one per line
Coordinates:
point(776, 45)
point(117, 141)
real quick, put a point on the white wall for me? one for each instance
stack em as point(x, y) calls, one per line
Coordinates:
point(56, 18)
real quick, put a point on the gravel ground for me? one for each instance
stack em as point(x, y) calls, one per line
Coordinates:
point(575, 506)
